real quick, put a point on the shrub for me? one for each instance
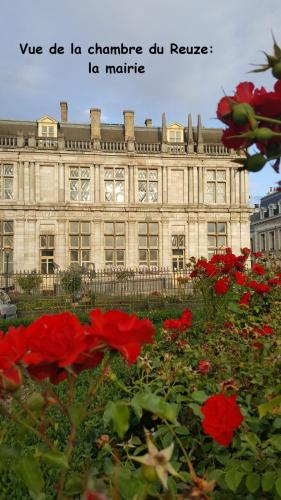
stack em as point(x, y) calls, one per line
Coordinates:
point(30, 281)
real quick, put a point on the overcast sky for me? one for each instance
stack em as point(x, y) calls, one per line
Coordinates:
point(32, 85)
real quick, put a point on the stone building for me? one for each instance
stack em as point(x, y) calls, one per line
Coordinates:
point(117, 195)
point(266, 224)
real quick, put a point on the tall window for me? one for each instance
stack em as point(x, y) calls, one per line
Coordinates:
point(178, 250)
point(47, 248)
point(262, 236)
point(79, 243)
point(217, 237)
point(148, 243)
point(114, 185)
point(114, 243)
point(271, 240)
point(7, 243)
point(47, 131)
point(79, 183)
point(148, 185)
point(7, 181)
point(216, 186)
point(175, 135)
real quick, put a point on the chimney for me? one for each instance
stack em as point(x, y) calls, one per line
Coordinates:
point(148, 122)
point(200, 147)
point(95, 124)
point(190, 144)
point(257, 205)
point(129, 125)
point(63, 111)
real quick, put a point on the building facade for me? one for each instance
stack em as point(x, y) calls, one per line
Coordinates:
point(117, 195)
point(266, 224)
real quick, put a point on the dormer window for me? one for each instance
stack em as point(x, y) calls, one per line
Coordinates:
point(47, 127)
point(271, 209)
point(175, 132)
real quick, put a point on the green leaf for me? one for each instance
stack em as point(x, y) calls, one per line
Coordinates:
point(269, 406)
point(278, 486)
point(55, 459)
point(233, 478)
point(182, 430)
point(118, 413)
point(156, 405)
point(253, 482)
point(199, 396)
point(276, 441)
point(73, 484)
point(77, 414)
point(28, 470)
point(196, 409)
point(268, 480)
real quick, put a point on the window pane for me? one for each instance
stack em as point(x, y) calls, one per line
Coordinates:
point(142, 191)
point(142, 242)
point(221, 175)
point(221, 227)
point(120, 256)
point(119, 191)
point(74, 227)
point(85, 172)
point(120, 241)
point(142, 174)
point(143, 256)
point(47, 253)
point(143, 228)
point(221, 241)
point(85, 255)
point(120, 228)
point(174, 241)
point(221, 192)
point(153, 192)
point(153, 241)
point(51, 241)
point(74, 255)
point(211, 227)
point(109, 191)
point(7, 241)
point(109, 241)
point(74, 241)
point(181, 241)
point(108, 228)
point(119, 173)
point(108, 173)
point(212, 241)
point(210, 195)
point(211, 175)
point(74, 195)
point(85, 241)
point(153, 228)
point(8, 170)
point(74, 172)
point(109, 256)
point(43, 241)
point(153, 175)
point(85, 227)
point(153, 256)
point(8, 226)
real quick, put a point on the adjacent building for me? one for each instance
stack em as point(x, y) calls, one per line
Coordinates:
point(266, 224)
point(114, 195)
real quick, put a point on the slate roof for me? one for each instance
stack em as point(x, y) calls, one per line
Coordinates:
point(73, 131)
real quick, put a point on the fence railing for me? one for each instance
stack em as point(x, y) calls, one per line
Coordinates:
point(116, 281)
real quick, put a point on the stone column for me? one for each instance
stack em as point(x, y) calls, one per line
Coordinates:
point(129, 129)
point(232, 187)
point(195, 185)
point(61, 255)
point(234, 236)
point(97, 197)
point(192, 244)
point(202, 235)
point(19, 239)
point(26, 182)
point(32, 182)
point(61, 181)
point(131, 184)
point(166, 244)
point(237, 187)
point(98, 245)
point(200, 186)
point(190, 186)
point(21, 181)
point(132, 244)
point(185, 186)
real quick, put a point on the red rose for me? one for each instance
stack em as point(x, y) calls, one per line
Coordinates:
point(12, 349)
point(246, 251)
point(258, 287)
point(221, 417)
point(274, 281)
point(240, 278)
point(204, 366)
point(186, 318)
point(54, 342)
point(221, 286)
point(264, 330)
point(181, 324)
point(172, 324)
point(244, 301)
point(122, 332)
point(257, 255)
point(258, 269)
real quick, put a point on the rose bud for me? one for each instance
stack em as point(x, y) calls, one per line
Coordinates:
point(255, 162)
point(35, 402)
point(241, 113)
point(204, 366)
